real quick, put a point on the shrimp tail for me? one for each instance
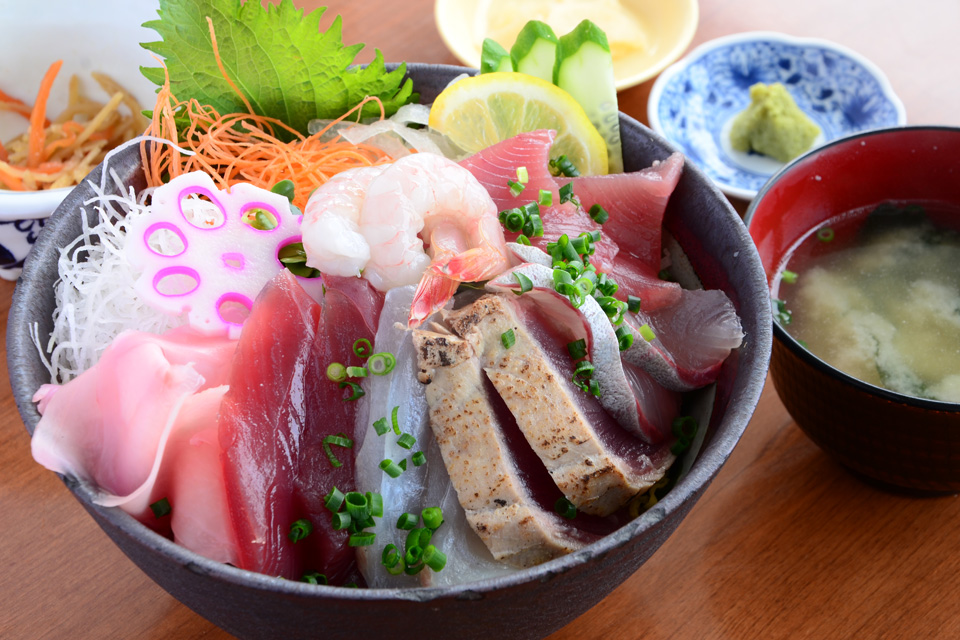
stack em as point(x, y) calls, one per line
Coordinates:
point(473, 265)
point(434, 291)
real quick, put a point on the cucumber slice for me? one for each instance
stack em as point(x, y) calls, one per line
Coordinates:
point(584, 69)
point(494, 57)
point(535, 51)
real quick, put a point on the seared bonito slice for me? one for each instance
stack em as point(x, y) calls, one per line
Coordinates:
point(468, 428)
point(597, 464)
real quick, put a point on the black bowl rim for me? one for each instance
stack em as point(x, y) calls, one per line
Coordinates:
point(789, 341)
point(688, 489)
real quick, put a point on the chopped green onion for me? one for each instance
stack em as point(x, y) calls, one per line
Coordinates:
point(300, 530)
point(577, 348)
point(565, 508)
point(390, 556)
point(788, 276)
point(546, 198)
point(522, 239)
point(515, 188)
point(418, 459)
point(413, 555)
point(362, 348)
point(390, 468)
point(160, 508)
point(375, 501)
point(395, 419)
point(333, 500)
point(566, 193)
point(633, 304)
point(380, 364)
point(684, 428)
point(341, 520)
point(396, 569)
point(782, 314)
point(523, 175)
point(414, 570)
point(357, 506)
point(355, 390)
point(533, 226)
point(508, 338)
point(419, 537)
point(432, 517)
point(825, 234)
point(338, 440)
point(407, 521)
point(624, 338)
point(406, 441)
point(380, 426)
point(403, 464)
point(563, 166)
point(647, 333)
point(514, 220)
point(362, 539)
point(584, 369)
point(336, 372)
point(314, 577)
point(524, 282)
point(286, 188)
point(594, 388)
point(599, 214)
point(434, 558)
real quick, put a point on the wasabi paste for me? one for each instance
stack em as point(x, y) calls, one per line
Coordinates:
point(773, 124)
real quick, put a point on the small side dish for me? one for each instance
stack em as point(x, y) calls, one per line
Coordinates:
point(695, 101)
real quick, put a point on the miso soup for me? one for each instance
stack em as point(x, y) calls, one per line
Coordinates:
point(876, 293)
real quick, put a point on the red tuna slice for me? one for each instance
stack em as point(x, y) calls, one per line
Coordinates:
point(494, 166)
point(271, 428)
point(636, 202)
point(364, 296)
point(692, 338)
point(635, 278)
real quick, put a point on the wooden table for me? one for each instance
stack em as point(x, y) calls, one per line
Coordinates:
point(784, 544)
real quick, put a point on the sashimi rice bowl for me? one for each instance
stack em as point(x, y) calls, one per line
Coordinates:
point(364, 370)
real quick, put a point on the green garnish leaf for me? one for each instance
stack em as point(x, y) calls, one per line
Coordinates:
point(160, 508)
point(276, 56)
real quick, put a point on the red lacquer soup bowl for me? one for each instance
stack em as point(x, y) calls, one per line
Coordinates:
point(896, 439)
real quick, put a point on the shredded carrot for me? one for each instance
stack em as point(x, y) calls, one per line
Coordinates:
point(243, 147)
point(59, 154)
point(39, 116)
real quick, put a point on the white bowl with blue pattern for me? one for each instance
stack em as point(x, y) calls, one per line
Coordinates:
point(694, 102)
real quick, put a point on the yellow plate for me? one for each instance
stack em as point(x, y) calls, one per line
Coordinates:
point(668, 27)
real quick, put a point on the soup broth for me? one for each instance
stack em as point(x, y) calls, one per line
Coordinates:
point(876, 293)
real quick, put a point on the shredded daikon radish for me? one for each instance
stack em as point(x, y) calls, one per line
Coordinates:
point(95, 295)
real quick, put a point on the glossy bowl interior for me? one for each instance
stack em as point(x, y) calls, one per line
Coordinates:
point(669, 27)
point(890, 437)
point(527, 604)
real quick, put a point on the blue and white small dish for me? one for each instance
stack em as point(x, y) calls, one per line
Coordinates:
point(693, 102)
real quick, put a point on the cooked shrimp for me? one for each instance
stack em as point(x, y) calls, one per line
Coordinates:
point(427, 201)
point(331, 223)
point(423, 219)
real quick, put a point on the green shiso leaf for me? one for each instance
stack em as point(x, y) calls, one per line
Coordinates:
point(276, 56)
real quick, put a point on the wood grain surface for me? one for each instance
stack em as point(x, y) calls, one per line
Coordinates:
point(784, 544)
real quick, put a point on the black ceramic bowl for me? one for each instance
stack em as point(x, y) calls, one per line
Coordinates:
point(895, 439)
point(527, 604)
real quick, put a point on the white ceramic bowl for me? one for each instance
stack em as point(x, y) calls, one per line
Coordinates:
point(668, 26)
point(693, 102)
point(103, 36)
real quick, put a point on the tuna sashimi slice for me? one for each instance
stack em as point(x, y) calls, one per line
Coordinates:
point(272, 423)
point(692, 338)
point(497, 164)
point(636, 202)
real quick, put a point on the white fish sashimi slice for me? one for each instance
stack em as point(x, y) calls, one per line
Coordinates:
point(400, 389)
point(692, 338)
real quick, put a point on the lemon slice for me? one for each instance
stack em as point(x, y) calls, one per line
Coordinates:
point(483, 110)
